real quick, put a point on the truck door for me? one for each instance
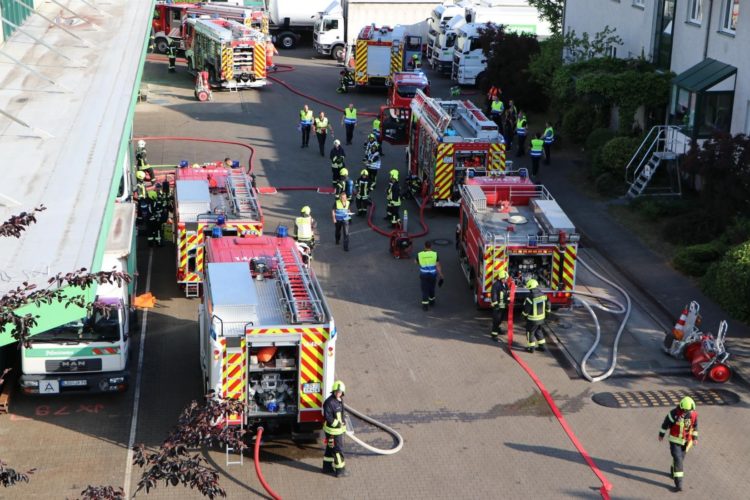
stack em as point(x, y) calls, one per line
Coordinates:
point(394, 124)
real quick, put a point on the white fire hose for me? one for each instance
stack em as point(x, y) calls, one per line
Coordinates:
point(380, 425)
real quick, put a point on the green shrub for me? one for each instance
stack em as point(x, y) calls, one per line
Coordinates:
point(695, 259)
point(609, 184)
point(595, 141)
point(615, 155)
point(728, 282)
point(577, 123)
point(738, 231)
point(654, 208)
point(691, 228)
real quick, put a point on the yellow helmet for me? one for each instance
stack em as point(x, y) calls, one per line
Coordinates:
point(343, 172)
point(363, 172)
point(339, 386)
point(531, 284)
point(503, 275)
point(394, 174)
point(140, 175)
point(305, 210)
point(687, 403)
point(195, 165)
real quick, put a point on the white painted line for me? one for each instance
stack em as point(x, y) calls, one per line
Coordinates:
point(138, 377)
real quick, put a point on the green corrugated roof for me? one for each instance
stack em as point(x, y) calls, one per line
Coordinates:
point(704, 75)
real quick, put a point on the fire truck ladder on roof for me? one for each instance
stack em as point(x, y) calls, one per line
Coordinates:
point(240, 191)
point(298, 294)
point(430, 110)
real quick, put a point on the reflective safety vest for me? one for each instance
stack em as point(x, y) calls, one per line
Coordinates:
point(682, 425)
point(306, 117)
point(333, 411)
point(363, 188)
point(321, 124)
point(376, 126)
point(521, 127)
point(536, 147)
point(497, 107)
point(549, 135)
point(350, 115)
point(140, 189)
point(537, 305)
point(342, 211)
point(304, 228)
point(427, 260)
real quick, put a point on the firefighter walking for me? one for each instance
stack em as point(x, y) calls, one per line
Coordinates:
point(535, 309)
point(499, 297)
point(549, 138)
point(349, 120)
point(429, 272)
point(305, 123)
point(322, 128)
point(521, 133)
point(372, 161)
point(338, 158)
point(335, 429)
point(341, 217)
point(682, 425)
point(393, 199)
point(172, 55)
point(536, 151)
point(304, 227)
point(364, 187)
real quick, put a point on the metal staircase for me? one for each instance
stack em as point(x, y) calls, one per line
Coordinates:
point(241, 194)
point(662, 146)
point(300, 297)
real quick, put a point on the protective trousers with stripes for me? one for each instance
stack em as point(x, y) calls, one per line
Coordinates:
point(678, 456)
point(498, 315)
point(427, 283)
point(333, 459)
point(534, 333)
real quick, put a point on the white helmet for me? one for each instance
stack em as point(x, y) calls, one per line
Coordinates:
point(337, 142)
point(141, 144)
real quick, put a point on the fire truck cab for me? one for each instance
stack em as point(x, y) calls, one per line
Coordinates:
point(508, 223)
point(379, 53)
point(167, 22)
point(450, 142)
point(267, 335)
point(405, 86)
point(210, 200)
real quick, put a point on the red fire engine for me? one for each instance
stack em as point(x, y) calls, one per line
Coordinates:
point(208, 199)
point(507, 223)
point(450, 141)
point(405, 86)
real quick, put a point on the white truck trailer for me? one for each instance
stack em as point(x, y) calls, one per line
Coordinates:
point(91, 354)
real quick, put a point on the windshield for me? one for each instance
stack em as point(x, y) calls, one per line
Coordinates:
point(408, 91)
point(98, 329)
point(450, 40)
point(316, 26)
point(330, 24)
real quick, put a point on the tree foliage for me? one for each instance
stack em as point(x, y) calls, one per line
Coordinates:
point(175, 462)
point(551, 11)
point(508, 55)
point(585, 47)
point(55, 291)
point(102, 493)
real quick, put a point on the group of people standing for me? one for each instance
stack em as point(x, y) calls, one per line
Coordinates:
point(513, 126)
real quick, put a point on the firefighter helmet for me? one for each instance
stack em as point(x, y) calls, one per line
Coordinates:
point(195, 165)
point(183, 163)
point(531, 284)
point(503, 275)
point(363, 172)
point(305, 210)
point(394, 174)
point(153, 195)
point(343, 172)
point(371, 137)
point(687, 403)
point(141, 144)
point(337, 142)
point(141, 176)
point(339, 386)
point(415, 56)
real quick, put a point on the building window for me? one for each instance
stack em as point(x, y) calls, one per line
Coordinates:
point(730, 15)
point(695, 11)
point(639, 3)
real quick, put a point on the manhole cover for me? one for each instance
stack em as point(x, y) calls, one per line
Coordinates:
point(648, 399)
point(441, 242)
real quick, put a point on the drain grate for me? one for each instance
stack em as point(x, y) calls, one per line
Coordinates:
point(650, 399)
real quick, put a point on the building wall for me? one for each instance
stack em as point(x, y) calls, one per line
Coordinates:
point(634, 24)
point(690, 47)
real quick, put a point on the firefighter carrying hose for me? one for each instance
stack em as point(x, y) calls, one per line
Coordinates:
point(535, 309)
point(682, 425)
point(335, 429)
point(393, 199)
point(500, 297)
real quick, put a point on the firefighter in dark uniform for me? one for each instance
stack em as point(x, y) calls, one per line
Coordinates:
point(344, 185)
point(364, 187)
point(429, 271)
point(499, 299)
point(141, 194)
point(172, 55)
point(335, 428)
point(154, 222)
point(393, 199)
point(535, 309)
point(682, 425)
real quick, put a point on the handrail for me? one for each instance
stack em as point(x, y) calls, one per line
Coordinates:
point(661, 142)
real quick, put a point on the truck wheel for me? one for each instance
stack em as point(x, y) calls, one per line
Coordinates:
point(162, 45)
point(287, 41)
point(201, 95)
point(338, 53)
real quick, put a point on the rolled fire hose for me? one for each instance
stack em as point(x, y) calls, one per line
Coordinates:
point(380, 425)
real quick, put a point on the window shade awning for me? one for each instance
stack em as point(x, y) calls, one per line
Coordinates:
point(704, 75)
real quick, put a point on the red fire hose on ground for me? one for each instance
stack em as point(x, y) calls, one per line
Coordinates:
point(606, 485)
point(256, 459)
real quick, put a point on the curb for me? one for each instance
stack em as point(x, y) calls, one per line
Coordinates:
point(737, 376)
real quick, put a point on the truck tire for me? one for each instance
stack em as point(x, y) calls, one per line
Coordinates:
point(162, 45)
point(287, 41)
point(338, 53)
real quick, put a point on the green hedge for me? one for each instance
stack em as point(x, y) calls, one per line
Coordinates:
point(595, 141)
point(728, 282)
point(577, 123)
point(656, 208)
point(615, 155)
point(697, 226)
point(737, 232)
point(695, 259)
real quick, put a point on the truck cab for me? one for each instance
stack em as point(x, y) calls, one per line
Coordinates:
point(405, 86)
point(90, 354)
point(440, 17)
point(328, 32)
point(469, 62)
point(445, 43)
point(166, 24)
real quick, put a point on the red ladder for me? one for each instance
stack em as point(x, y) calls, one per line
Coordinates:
point(298, 285)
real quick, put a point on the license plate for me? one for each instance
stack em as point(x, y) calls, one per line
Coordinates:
point(72, 383)
point(311, 388)
point(49, 386)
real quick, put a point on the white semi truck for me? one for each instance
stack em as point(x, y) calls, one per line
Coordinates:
point(91, 354)
point(338, 27)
